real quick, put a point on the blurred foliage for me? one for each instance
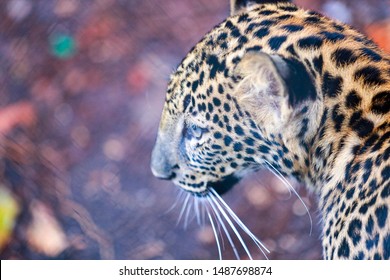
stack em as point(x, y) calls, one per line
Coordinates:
point(9, 209)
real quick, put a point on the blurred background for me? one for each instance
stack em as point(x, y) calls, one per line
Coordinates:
point(82, 84)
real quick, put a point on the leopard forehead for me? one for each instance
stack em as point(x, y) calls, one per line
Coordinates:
point(281, 29)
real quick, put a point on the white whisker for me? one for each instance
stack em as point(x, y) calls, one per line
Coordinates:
point(224, 227)
point(258, 243)
point(197, 211)
point(183, 208)
point(215, 235)
point(179, 197)
point(187, 219)
point(202, 211)
point(287, 183)
point(229, 221)
point(218, 226)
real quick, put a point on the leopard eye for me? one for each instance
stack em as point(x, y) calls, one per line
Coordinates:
point(193, 131)
point(196, 131)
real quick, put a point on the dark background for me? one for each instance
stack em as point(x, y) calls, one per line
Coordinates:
point(82, 85)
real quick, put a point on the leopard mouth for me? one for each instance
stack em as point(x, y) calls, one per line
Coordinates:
point(224, 185)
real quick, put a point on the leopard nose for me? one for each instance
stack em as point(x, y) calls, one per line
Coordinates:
point(160, 166)
point(162, 174)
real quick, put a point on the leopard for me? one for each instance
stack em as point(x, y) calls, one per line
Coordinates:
point(281, 87)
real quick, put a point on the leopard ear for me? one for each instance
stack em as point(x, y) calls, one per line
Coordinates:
point(272, 83)
point(237, 6)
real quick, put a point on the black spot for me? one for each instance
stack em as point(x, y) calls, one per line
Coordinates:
point(381, 215)
point(238, 129)
point(374, 56)
point(222, 36)
point(337, 118)
point(318, 63)
point(234, 165)
point(370, 76)
point(243, 18)
point(353, 100)
point(362, 126)
point(262, 32)
point(301, 86)
point(215, 118)
point(210, 90)
point(370, 225)
point(249, 151)
point(267, 12)
point(226, 119)
point(227, 140)
point(210, 107)
point(249, 141)
point(386, 191)
point(237, 146)
point(372, 242)
point(254, 49)
point(216, 101)
point(235, 32)
point(311, 42)
point(331, 86)
point(216, 65)
point(350, 193)
point(229, 24)
point(202, 107)
point(377, 256)
point(386, 173)
point(292, 27)
point(264, 149)
point(291, 50)
point(359, 256)
point(224, 45)
point(220, 89)
point(386, 247)
point(343, 250)
point(381, 102)
point(369, 143)
point(288, 8)
point(373, 186)
point(314, 13)
point(242, 40)
point(267, 22)
point(276, 42)
point(235, 60)
point(288, 163)
point(354, 229)
point(333, 36)
point(229, 128)
point(186, 101)
point(338, 27)
point(343, 57)
point(195, 86)
point(201, 78)
point(217, 135)
point(226, 107)
point(216, 147)
point(283, 17)
point(312, 19)
point(364, 208)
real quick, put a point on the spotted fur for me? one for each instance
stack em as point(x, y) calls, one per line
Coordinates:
point(276, 84)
